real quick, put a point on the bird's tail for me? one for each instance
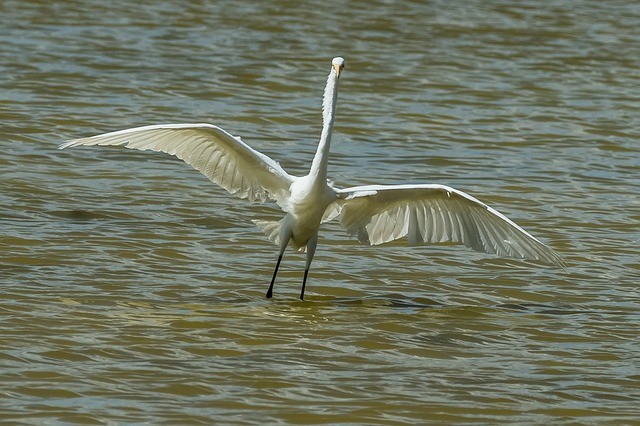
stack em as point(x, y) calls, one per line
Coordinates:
point(271, 229)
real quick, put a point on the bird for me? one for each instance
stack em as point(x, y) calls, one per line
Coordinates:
point(375, 214)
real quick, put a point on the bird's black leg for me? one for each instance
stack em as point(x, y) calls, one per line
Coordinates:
point(304, 283)
point(283, 245)
point(273, 280)
point(311, 250)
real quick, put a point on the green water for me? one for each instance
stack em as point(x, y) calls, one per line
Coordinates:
point(132, 289)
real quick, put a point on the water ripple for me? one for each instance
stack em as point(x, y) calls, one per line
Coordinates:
point(133, 290)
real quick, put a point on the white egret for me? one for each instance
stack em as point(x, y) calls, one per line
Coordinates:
point(375, 213)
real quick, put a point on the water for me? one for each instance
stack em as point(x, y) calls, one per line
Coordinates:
point(132, 289)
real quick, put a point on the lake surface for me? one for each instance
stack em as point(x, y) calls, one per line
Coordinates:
point(132, 289)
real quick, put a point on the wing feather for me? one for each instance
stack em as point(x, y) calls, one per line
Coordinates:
point(223, 158)
point(435, 214)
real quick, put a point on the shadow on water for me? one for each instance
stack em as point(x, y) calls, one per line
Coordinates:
point(79, 215)
point(394, 301)
point(540, 308)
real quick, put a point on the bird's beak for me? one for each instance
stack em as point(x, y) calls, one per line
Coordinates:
point(337, 69)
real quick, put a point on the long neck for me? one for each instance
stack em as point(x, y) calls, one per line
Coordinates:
point(329, 100)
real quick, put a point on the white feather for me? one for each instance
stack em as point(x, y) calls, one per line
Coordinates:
point(223, 158)
point(376, 214)
point(435, 213)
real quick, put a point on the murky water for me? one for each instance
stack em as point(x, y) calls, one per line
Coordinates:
point(132, 289)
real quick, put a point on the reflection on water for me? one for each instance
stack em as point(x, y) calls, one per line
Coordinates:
point(133, 289)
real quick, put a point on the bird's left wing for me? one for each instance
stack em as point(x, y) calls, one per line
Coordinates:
point(435, 213)
point(223, 158)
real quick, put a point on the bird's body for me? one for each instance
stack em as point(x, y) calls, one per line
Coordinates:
point(309, 200)
point(375, 214)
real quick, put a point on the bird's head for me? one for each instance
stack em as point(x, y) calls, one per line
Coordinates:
point(338, 64)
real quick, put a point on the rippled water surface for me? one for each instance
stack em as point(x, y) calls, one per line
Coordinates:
point(132, 289)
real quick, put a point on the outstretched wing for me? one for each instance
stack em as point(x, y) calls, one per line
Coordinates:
point(435, 213)
point(223, 158)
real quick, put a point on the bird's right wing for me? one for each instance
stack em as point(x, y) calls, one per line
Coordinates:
point(435, 213)
point(223, 158)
